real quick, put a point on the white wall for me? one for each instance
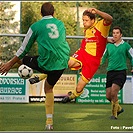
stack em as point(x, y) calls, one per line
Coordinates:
point(128, 90)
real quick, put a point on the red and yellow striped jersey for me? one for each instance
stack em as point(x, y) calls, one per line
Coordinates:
point(95, 39)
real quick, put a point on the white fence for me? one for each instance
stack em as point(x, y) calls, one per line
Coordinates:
point(69, 37)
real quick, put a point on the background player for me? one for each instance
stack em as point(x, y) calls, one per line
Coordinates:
point(116, 53)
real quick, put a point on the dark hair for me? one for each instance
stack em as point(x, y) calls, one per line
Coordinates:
point(118, 27)
point(47, 9)
point(89, 14)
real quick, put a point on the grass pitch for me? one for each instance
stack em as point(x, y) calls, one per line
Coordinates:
point(67, 117)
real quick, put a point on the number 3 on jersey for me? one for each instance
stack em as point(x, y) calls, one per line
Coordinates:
point(54, 31)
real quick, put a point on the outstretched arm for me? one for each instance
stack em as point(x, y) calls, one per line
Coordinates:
point(22, 51)
point(4, 68)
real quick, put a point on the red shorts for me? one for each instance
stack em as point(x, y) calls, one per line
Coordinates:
point(89, 64)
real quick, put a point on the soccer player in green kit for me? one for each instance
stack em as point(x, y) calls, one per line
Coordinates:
point(53, 51)
point(116, 53)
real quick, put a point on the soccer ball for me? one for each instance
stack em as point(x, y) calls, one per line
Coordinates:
point(25, 72)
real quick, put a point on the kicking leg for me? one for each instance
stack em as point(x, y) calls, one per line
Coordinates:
point(79, 90)
point(37, 78)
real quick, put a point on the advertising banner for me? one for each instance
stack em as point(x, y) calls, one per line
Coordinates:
point(13, 89)
point(95, 91)
point(65, 84)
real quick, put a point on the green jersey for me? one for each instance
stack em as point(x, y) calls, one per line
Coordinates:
point(53, 49)
point(117, 56)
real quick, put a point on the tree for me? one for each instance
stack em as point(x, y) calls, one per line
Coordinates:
point(7, 25)
point(28, 17)
point(122, 15)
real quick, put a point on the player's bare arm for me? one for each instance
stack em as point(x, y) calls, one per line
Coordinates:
point(4, 68)
point(108, 18)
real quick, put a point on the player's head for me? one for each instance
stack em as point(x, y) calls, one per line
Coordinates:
point(118, 28)
point(117, 33)
point(88, 19)
point(47, 9)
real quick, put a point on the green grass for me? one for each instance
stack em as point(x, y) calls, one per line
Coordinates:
point(67, 117)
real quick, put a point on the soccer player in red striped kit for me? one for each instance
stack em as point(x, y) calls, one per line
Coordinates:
point(88, 56)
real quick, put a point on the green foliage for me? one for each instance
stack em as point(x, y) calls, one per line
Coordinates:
point(8, 25)
point(122, 15)
point(30, 13)
point(64, 13)
point(82, 4)
point(6, 17)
